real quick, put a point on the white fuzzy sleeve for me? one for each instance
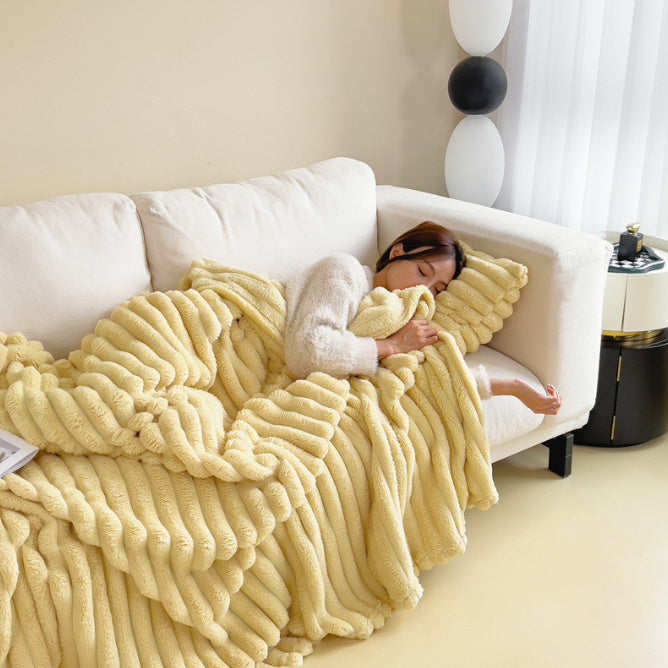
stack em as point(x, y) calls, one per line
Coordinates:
point(482, 381)
point(322, 301)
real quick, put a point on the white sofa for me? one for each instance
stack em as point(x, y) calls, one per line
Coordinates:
point(66, 262)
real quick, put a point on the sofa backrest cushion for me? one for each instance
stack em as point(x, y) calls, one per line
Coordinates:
point(274, 225)
point(67, 262)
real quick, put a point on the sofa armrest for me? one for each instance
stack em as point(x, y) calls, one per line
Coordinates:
point(555, 330)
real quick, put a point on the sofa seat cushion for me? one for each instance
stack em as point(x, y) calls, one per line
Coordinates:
point(274, 225)
point(505, 417)
point(67, 262)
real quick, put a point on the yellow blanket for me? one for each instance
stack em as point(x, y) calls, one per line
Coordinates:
point(192, 505)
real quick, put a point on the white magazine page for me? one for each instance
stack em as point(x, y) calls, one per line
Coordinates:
point(14, 452)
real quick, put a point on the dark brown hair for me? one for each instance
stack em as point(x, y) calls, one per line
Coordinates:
point(437, 243)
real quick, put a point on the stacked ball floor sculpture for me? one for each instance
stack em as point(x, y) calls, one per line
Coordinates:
point(474, 158)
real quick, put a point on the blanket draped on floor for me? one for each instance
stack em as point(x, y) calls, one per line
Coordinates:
point(193, 505)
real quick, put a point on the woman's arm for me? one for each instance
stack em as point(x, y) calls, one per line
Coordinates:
point(321, 303)
point(546, 404)
point(417, 333)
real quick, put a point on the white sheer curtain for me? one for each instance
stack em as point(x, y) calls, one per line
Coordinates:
point(585, 122)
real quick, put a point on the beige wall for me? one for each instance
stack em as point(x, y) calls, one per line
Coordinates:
point(145, 94)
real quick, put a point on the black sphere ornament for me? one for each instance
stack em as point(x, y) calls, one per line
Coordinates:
point(477, 85)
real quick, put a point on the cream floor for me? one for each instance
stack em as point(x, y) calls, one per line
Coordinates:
point(563, 573)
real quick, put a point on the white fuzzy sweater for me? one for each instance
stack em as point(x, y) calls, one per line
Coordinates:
point(322, 301)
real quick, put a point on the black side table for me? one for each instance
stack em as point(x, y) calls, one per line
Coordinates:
point(632, 397)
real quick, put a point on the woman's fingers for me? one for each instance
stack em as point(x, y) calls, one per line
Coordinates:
point(546, 403)
point(426, 335)
point(552, 402)
point(429, 334)
point(415, 334)
point(553, 396)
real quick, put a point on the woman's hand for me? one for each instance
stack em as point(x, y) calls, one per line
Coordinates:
point(414, 335)
point(547, 403)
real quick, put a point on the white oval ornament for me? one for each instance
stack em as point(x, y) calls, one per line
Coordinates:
point(475, 161)
point(479, 25)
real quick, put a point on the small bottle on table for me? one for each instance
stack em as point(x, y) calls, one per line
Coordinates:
point(630, 243)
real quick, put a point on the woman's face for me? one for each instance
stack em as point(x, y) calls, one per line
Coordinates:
point(400, 274)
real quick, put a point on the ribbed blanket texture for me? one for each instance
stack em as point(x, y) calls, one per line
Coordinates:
point(193, 505)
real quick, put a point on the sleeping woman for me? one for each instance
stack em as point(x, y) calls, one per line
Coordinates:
point(323, 300)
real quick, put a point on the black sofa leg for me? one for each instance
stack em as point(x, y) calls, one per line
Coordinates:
point(561, 453)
